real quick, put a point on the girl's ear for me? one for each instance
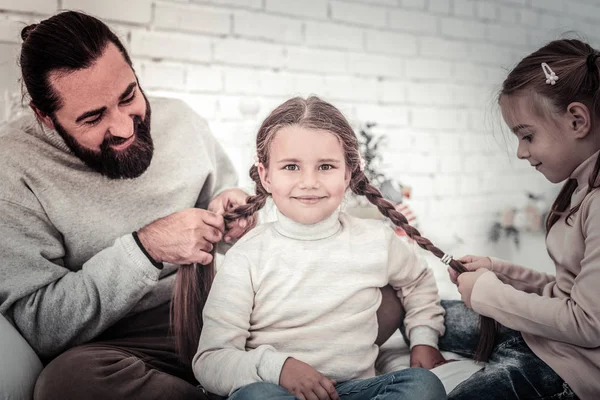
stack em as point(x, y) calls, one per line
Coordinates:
point(43, 118)
point(579, 119)
point(347, 177)
point(264, 177)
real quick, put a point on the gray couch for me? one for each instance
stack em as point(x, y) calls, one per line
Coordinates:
point(19, 365)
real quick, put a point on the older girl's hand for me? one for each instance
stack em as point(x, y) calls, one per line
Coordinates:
point(472, 263)
point(466, 282)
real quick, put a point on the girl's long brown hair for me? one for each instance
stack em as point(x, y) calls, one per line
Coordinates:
point(311, 113)
point(576, 65)
point(192, 284)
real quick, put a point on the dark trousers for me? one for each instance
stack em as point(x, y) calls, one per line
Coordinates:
point(134, 359)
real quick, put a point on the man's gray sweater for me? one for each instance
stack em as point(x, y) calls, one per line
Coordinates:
point(70, 266)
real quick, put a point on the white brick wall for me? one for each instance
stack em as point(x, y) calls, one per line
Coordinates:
point(133, 11)
point(425, 70)
point(304, 9)
point(183, 17)
point(267, 27)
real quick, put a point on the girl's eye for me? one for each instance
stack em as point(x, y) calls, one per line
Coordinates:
point(326, 167)
point(527, 138)
point(291, 167)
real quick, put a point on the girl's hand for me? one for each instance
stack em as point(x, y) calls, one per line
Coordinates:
point(305, 382)
point(472, 263)
point(426, 357)
point(466, 282)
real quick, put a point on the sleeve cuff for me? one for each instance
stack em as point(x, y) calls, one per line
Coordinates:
point(482, 286)
point(424, 335)
point(270, 366)
point(158, 265)
point(499, 265)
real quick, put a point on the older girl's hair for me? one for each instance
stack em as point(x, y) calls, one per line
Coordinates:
point(314, 113)
point(576, 65)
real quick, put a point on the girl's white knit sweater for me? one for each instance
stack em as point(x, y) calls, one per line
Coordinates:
point(310, 292)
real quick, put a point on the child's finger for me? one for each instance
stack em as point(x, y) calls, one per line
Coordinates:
point(453, 275)
point(466, 258)
point(329, 387)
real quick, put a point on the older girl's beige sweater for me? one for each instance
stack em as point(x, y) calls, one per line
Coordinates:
point(559, 316)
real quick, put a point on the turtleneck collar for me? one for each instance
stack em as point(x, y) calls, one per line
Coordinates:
point(54, 137)
point(29, 123)
point(321, 230)
point(583, 171)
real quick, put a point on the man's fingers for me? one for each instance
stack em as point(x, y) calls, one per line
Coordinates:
point(214, 220)
point(212, 235)
point(216, 207)
point(203, 258)
point(206, 247)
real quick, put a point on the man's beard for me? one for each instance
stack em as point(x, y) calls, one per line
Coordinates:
point(128, 163)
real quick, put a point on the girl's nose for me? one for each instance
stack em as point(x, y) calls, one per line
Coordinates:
point(522, 151)
point(309, 179)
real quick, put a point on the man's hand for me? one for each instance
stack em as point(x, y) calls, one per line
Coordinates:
point(466, 282)
point(472, 263)
point(228, 200)
point(305, 382)
point(184, 237)
point(426, 357)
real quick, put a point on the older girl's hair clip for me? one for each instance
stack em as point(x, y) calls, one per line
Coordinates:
point(447, 259)
point(551, 77)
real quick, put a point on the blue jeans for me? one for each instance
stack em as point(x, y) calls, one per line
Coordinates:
point(412, 383)
point(513, 370)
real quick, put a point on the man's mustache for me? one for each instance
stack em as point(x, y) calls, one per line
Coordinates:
point(111, 140)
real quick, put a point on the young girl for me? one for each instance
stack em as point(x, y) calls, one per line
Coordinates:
point(551, 101)
point(292, 310)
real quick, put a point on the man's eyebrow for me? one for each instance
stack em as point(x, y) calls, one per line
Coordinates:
point(100, 110)
point(90, 113)
point(128, 91)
